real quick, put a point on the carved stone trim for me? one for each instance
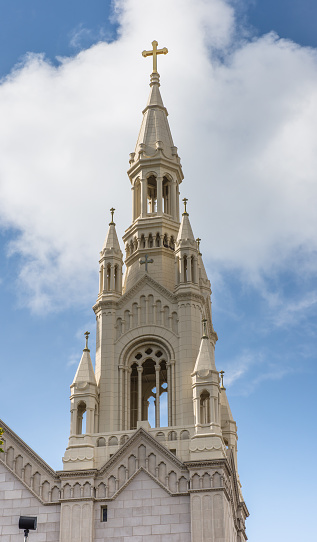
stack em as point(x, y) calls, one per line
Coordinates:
point(28, 450)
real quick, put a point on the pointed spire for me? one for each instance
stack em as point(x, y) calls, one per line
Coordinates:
point(205, 362)
point(85, 371)
point(111, 241)
point(185, 232)
point(155, 134)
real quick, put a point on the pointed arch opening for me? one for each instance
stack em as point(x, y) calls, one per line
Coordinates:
point(205, 407)
point(81, 418)
point(151, 195)
point(147, 388)
point(166, 192)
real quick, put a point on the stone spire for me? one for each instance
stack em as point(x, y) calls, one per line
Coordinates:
point(110, 271)
point(85, 372)
point(111, 242)
point(185, 232)
point(205, 362)
point(155, 134)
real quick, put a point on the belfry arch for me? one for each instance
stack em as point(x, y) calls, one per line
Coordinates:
point(147, 386)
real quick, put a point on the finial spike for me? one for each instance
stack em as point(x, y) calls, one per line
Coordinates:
point(86, 345)
point(198, 245)
point(154, 52)
point(112, 210)
point(221, 378)
point(185, 200)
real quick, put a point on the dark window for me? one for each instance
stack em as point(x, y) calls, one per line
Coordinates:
point(103, 516)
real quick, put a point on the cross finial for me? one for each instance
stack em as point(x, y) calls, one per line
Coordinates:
point(112, 210)
point(185, 200)
point(205, 336)
point(221, 383)
point(86, 335)
point(198, 244)
point(154, 52)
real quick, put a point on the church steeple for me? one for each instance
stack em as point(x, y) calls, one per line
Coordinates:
point(155, 174)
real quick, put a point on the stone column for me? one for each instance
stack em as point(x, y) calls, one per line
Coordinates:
point(140, 371)
point(159, 182)
point(169, 394)
point(157, 396)
point(133, 204)
point(143, 198)
point(121, 428)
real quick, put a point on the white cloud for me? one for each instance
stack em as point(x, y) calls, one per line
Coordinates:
point(244, 127)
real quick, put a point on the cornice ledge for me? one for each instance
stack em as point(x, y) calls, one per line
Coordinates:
point(77, 473)
point(146, 279)
point(185, 296)
point(105, 304)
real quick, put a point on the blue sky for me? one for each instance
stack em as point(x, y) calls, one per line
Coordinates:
point(243, 110)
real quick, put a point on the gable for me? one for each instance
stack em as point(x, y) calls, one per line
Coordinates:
point(29, 468)
point(142, 453)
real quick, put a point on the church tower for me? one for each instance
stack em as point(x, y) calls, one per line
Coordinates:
point(157, 456)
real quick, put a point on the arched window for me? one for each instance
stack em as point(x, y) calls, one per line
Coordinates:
point(166, 190)
point(81, 418)
point(108, 276)
point(192, 264)
point(185, 269)
point(116, 278)
point(205, 407)
point(142, 242)
point(150, 241)
point(152, 194)
point(148, 387)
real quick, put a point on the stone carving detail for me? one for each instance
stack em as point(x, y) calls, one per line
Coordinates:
point(147, 311)
point(30, 469)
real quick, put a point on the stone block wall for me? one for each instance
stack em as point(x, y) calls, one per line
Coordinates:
point(143, 511)
point(15, 501)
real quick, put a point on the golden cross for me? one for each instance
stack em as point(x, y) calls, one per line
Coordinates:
point(112, 210)
point(198, 243)
point(185, 200)
point(155, 51)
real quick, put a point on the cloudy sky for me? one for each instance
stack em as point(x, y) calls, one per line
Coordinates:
point(240, 85)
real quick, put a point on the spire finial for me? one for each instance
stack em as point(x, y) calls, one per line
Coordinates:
point(198, 245)
point(221, 383)
point(185, 200)
point(205, 335)
point(112, 210)
point(86, 346)
point(154, 52)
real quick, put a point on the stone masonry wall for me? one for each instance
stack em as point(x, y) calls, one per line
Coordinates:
point(144, 512)
point(15, 501)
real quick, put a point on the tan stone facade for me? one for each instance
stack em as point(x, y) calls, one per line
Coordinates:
point(156, 457)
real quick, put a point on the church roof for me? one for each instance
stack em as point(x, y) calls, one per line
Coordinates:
point(155, 131)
